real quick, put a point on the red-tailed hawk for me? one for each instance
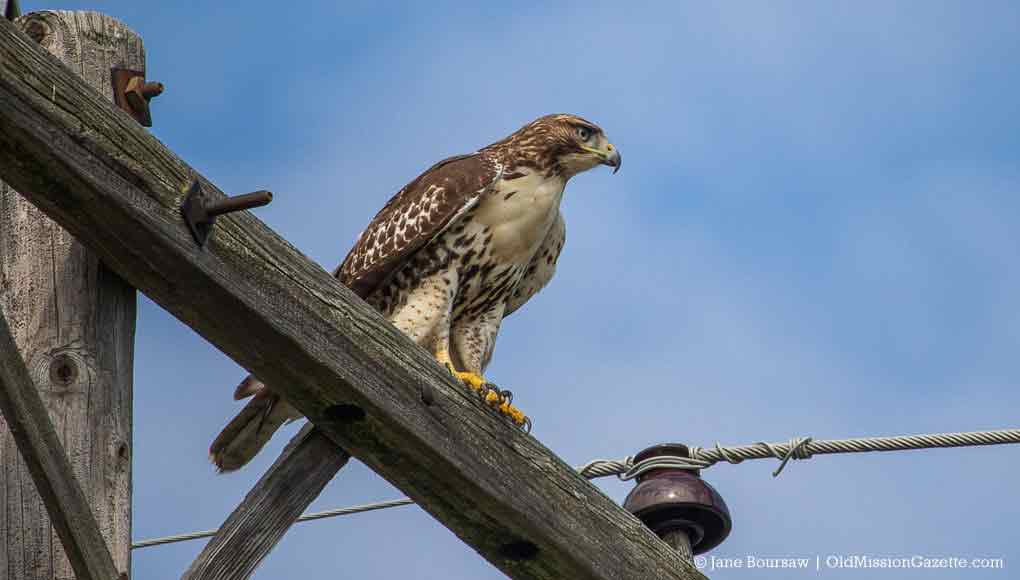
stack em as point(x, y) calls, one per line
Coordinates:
point(449, 256)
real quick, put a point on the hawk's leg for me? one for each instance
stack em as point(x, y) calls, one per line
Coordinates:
point(474, 380)
point(424, 315)
point(438, 341)
point(473, 340)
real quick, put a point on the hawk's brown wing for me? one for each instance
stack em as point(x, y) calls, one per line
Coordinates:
point(418, 213)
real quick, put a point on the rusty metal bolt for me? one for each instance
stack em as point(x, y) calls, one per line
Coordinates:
point(671, 501)
point(200, 210)
point(152, 89)
point(239, 202)
point(132, 94)
point(138, 93)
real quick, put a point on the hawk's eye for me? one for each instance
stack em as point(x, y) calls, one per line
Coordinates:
point(583, 133)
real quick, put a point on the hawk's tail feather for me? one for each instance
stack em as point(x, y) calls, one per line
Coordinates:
point(248, 387)
point(247, 433)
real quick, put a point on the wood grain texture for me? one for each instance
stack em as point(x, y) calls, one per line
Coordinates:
point(293, 482)
point(73, 320)
point(287, 320)
point(29, 424)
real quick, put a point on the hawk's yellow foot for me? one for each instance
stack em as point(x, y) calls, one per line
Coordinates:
point(500, 400)
point(495, 398)
point(515, 415)
point(475, 381)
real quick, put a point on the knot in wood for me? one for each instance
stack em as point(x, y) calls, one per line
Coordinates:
point(38, 30)
point(63, 371)
point(120, 452)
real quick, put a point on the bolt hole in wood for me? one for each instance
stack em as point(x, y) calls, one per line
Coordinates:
point(519, 551)
point(344, 413)
point(428, 395)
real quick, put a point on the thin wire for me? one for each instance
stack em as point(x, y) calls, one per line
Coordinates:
point(357, 509)
point(699, 458)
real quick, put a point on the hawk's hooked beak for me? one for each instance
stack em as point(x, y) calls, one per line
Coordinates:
point(613, 159)
point(609, 156)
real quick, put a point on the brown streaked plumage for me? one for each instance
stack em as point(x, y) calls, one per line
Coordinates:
point(456, 250)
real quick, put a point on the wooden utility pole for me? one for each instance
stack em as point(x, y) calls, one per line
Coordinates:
point(363, 383)
point(29, 423)
point(73, 320)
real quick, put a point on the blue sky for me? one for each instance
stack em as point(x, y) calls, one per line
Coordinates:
point(814, 234)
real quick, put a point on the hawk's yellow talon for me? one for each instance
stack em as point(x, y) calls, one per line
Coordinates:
point(472, 380)
point(492, 396)
point(515, 414)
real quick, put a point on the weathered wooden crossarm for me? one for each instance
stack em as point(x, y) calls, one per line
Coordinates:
point(286, 319)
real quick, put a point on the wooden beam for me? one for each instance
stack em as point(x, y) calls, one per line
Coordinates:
point(293, 482)
point(263, 303)
point(68, 508)
point(279, 498)
point(74, 321)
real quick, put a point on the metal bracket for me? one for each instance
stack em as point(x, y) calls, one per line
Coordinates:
point(132, 93)
point(200, 210)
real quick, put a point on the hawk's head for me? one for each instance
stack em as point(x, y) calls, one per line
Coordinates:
point(561, 144)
